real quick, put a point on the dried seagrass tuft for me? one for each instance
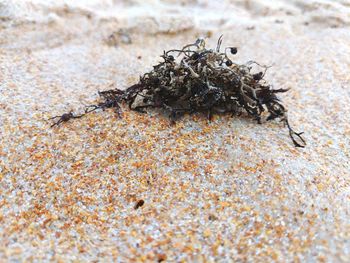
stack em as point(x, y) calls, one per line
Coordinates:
point(197, 79)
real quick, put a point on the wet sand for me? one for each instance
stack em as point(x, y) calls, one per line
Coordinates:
point(213, 191)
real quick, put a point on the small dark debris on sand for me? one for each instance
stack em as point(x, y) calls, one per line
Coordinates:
point(139, 204)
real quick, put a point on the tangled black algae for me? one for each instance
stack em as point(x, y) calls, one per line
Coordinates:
point(196, 79)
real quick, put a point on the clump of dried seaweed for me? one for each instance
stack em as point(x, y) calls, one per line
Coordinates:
point(197, 79)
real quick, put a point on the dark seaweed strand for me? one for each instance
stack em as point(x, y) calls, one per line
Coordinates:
point(196, 79)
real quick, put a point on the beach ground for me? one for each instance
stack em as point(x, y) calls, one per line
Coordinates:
point(228, 189)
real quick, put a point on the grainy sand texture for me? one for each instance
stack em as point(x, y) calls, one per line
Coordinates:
point(219, 191)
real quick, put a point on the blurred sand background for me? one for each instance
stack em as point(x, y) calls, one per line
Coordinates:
point(213, 191)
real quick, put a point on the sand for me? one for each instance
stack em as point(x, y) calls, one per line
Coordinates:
point(213, 191)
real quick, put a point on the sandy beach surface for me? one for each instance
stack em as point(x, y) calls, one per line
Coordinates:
point(219, 191)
